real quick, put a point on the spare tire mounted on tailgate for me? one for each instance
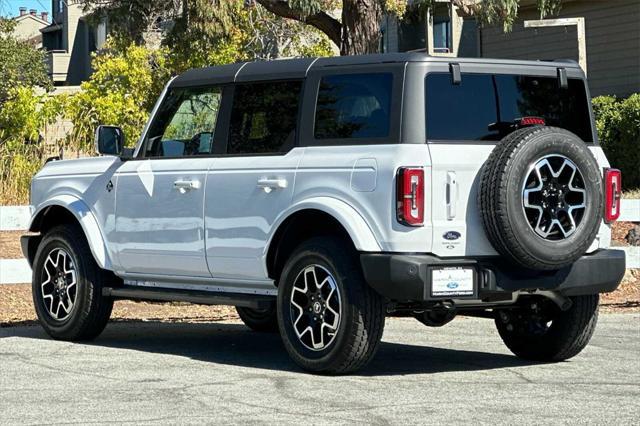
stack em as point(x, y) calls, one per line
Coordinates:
point(540, 197)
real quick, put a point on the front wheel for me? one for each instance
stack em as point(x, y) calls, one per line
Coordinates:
point(67, 286)
point(539, 331)
point(330, 320)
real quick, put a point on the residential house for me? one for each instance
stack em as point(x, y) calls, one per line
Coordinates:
point(69, 42)
point(604, 36)
point(28, 25)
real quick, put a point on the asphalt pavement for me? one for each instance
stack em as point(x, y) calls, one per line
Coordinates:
point(223, 373)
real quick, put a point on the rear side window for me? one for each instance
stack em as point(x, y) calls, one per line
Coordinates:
point(264, 117)
point(353, 106)
point(485, 107)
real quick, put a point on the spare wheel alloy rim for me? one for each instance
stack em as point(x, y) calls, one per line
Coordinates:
point(554, 197)
point(59, 285)
point(315, 307)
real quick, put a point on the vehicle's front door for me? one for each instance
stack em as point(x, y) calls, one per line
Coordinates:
point(160, 196)
point(250, 186)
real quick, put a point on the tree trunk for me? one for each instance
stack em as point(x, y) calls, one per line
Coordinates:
point(360, 27)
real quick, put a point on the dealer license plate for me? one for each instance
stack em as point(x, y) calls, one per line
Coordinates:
point(455, 281)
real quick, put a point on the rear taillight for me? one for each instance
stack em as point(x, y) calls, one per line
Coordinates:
point(532, 121)
point(410, 196)
point(612, 194)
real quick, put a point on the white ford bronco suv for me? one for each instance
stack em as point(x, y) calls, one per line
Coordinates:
point(320, 195)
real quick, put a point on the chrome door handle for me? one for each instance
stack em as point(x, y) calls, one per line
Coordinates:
point(186, 185)
point(269, 184)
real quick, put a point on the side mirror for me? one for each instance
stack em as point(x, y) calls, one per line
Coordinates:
point(109, 140)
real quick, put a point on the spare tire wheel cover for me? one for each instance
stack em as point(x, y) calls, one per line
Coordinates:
point(551, 210)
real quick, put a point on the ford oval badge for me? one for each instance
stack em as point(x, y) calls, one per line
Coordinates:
point(452, 285)
point(451, 235)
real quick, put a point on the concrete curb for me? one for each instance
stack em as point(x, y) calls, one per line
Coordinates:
point(14, 271)
point(14, 218)
point(629, 211)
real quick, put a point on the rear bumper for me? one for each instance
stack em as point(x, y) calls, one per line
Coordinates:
point(407, 277)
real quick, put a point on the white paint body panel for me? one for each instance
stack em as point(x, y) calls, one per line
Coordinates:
point(466, 161)
point(80, 187)
point(328, 173)
point(160, 228)
point(240, 212)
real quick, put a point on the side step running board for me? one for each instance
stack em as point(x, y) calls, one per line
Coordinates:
point(254, 301)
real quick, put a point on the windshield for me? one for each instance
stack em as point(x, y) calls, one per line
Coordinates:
point(487, 107)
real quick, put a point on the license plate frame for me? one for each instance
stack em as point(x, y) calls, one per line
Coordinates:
point(453, 282)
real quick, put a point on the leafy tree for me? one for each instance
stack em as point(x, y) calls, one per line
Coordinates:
point(22, 117)
point(121, 91)
point(270, 36)
point(618, 125)
point(357, 30)
point(209, 32)
point(21, 63)
point(352, 25)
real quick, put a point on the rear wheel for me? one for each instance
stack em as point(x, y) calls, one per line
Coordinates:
point(540, 331)
point(330, 320)
point(67, 286)
point(263, 320)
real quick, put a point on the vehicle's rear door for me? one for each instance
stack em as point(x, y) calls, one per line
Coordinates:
point(252, 183)
point(467, 116)
point(159, 224)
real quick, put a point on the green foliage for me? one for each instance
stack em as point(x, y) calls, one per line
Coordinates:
point(206, 33)
point(618, 124)
point(25, 113)
point(21, 63)
point(120, 92)
point(22, 117)
point(196, 114)
point(268, 36)
point(128, 20)
point(490, 12)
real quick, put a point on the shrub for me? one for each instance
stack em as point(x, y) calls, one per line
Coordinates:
point(121, 92)
point(618, 124)
point(22, 117)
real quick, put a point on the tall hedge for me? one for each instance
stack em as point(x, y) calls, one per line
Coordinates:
point(618, 124)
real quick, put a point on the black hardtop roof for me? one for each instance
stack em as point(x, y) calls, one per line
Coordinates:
point(283, 69)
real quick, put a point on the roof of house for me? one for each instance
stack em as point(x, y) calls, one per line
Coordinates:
point(30, 16)
point(51, 28)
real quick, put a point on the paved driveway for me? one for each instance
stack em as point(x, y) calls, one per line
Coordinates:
point(223, 373)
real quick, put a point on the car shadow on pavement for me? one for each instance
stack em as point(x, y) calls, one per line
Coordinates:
point(235, 344)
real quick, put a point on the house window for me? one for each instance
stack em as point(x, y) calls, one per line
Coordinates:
point(442, 33)
point(412, 32)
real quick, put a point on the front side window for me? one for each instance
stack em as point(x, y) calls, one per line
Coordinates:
point(185, 123)
point(486, 107)
point(353, 106)
point(264, 117)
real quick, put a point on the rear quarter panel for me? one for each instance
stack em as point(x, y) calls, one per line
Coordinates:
point(363, 177)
